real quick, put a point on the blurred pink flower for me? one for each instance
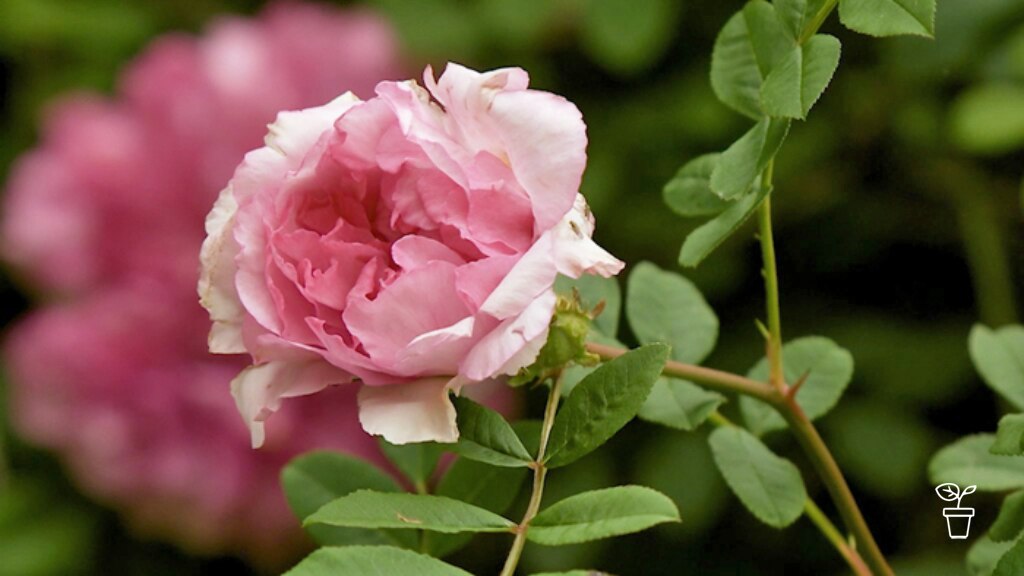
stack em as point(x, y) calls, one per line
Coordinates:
point(116, 182)
point(108, 213)
point(410, 241)
point(143, 421)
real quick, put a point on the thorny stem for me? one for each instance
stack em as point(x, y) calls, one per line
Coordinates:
point(707, 377)
point(785, 402)
point(807, 435)
point(828, 470)
point(539, 473)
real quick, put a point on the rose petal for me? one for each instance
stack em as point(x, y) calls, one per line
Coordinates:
point(258, 390)
point(216, 282)
point(415, 412)
point(534, 273)
point(400, 313)
point(575, 253)
point(513, 344)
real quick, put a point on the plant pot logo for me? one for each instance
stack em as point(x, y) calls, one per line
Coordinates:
point(958, 520)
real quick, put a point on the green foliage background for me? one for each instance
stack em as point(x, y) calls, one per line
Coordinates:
point(898, 225)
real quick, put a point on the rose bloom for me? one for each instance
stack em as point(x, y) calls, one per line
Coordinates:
point(108, 213)
point(409, 242)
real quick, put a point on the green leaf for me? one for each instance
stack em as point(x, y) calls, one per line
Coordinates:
point(601, 514)
point(740, 165)
point(769, 38)
point(984, 554)
point(750, 45)
point(593, 290)
point(486, 437)
point(796, 14)
point(372, 560)
point(316, 478)
point(709, 235)
point(828, 370)
point(663, 306)
point(689, 193)
point(735, 77)
point(889, 17)
point(999, 357)
point(799, 79)
point(986, 119)
point(488, 487)
point(604, 402)
point(368, 509)
point(1012, 563)
point(628, 36)
point(529, 432)
point(769, 486)
point(968, 461)
point(1010, 521)
point(1010, 436)
point(591, 473)
point(416, 461)
point(679, 404)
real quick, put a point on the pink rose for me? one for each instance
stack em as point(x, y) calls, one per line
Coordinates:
point(409, 242)
point(108, 212)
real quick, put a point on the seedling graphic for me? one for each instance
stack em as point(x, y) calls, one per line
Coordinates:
point(958, 520)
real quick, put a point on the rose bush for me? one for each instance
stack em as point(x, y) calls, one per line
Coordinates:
point(409, 242)
point(108, 213)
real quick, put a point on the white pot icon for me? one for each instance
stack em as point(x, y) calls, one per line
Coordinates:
point(958, 519)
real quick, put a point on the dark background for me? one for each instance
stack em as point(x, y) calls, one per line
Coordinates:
point(898, 225)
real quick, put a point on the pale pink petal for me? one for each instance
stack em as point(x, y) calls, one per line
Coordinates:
point(293, 134)
point(477, 280)
point(216, 282)
point(437, 352)
point(575, 253)
point(415, 412)
point(416, 303)
point(545, 140)
point(542, 136)
point(513, 344)
point(258, 390)
point(531, 276)
point(414, 252)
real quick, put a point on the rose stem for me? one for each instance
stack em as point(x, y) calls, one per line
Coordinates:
point(805, 432)
point(539, 473)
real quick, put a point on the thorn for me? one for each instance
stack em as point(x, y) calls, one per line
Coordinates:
point(762, 329)
point(796, 387)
